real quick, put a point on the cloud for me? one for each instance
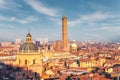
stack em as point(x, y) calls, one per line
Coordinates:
point(12, 5)
point(110, 28)
point(41, 8)
point(93, 36)
point(3, 18)
point(2, 3)
point(97, 16)
point(55, 20)
point(28, 19)
point(8, 26)
point(12, 19)
point(25, 20)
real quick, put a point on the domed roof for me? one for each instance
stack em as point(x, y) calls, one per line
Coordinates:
point(28, 48)
point(74, 45)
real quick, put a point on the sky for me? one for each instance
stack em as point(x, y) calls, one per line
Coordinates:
point(97, 20)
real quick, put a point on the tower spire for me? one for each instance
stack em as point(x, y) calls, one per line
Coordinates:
point(28, 30)
point(28, 37)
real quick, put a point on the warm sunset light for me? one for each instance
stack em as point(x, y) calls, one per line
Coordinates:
point(59, 40)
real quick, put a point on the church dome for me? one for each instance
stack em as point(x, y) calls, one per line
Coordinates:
point(28, 46)
point(74, 45)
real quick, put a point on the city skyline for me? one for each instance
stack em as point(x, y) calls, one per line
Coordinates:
point(87, 20)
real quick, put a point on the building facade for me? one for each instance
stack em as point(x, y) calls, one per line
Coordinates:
point(28, 56)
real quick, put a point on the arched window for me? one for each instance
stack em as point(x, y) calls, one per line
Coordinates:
point(27, 39)
point(25, 62)
point(33, 61)
point(19, 61)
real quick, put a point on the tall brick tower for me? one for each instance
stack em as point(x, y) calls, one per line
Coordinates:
point(65, 34)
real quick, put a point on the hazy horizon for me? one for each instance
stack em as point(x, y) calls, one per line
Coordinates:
point(95, 20)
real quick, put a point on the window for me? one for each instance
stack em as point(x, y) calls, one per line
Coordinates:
point(19, 61)
point(35, 74)
point(25, 62)
point(23, 74)
point(33, 61)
